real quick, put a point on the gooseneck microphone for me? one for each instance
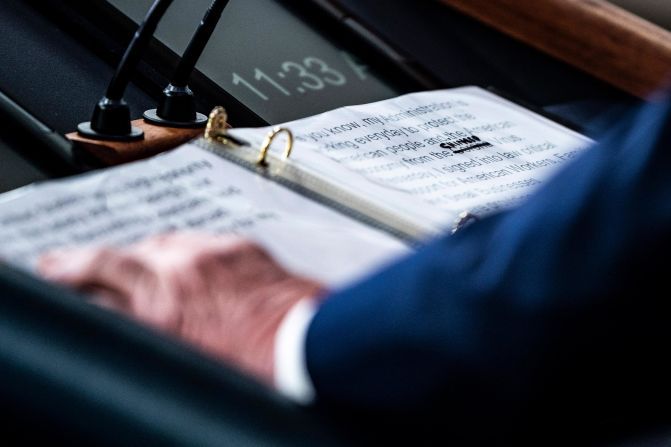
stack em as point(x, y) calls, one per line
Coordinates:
point(177, 107)
point(111, 115)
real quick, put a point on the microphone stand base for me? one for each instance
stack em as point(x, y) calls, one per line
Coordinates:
point(152, 117)
point(156, 140)
point(85, 130)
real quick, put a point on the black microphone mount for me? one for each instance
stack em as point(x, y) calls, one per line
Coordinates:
point(111, 115)
point(177, 107)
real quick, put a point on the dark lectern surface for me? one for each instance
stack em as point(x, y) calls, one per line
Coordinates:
point(75, 374)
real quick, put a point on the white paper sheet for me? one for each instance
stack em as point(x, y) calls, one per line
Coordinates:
point(494, 153)
point(189, 189)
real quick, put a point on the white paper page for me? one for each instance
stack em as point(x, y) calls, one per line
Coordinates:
point(494, 153)
point(189, 188)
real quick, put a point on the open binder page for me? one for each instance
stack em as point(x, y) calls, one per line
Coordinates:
point(189, 188)
point(432, 155)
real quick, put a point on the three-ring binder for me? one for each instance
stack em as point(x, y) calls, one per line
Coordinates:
point(217, 130)
point(305, 181)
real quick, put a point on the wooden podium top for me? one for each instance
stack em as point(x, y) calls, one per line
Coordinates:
point(595, 36)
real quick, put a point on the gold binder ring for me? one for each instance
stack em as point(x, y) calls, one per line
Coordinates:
point(269, 140)
point(217, 125)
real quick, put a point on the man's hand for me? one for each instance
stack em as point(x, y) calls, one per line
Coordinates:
point(223, 294)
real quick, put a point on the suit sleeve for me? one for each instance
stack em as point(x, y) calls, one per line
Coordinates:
point(555, 312)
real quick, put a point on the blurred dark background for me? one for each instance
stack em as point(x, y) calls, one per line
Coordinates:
point(84, 377)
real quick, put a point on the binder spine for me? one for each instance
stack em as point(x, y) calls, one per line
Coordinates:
point(319, 190)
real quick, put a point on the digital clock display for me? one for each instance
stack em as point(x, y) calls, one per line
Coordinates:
point(274, 63)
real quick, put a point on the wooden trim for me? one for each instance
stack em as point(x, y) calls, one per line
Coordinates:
point(595, 36)
point(156, 140)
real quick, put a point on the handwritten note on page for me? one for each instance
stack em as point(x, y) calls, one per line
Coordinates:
point(189, 189)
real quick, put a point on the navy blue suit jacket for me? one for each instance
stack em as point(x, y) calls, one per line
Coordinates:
point(552, 317)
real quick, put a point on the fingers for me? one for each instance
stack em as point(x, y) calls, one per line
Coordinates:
point(163, 277)
point(106, 265)
point(110, 275)
point(120, 280)
point(180, 249)
point(66, 266)
point(146, 278)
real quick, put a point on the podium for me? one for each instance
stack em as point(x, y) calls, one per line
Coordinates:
point(89, 377)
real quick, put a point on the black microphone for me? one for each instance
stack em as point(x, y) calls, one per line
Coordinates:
point(111, 115)
point(177, 107)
